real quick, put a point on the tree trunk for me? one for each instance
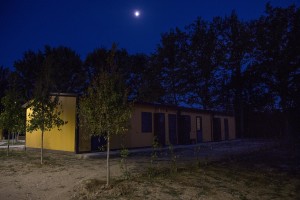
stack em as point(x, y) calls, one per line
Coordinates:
point(42, 146)
point(107, 162)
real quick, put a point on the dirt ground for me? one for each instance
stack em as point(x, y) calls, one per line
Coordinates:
point(224, 171)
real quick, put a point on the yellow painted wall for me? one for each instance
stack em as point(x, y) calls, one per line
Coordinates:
point(64, 139)
point(134, 137)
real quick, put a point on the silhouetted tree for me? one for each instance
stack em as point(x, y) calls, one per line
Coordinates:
point(148, 77)
point(68, 74)
point(66, 68)
point(170, 58)
point(104, 109)
point(95, 63)
point(12, 115)
point(236, 38)
point(4, 74)
point(277, 56)
point(28, 69)
point(44, 107)
point(204, 58)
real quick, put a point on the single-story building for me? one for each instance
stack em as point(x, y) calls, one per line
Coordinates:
point(168, 124)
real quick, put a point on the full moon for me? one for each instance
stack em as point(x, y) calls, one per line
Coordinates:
point(136, 13)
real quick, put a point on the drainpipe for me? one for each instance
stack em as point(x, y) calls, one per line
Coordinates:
point(211, 127)
point(177, 124)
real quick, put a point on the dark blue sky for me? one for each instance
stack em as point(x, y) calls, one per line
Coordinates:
point(84, 25)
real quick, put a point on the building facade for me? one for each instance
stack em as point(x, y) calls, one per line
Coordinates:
point(164, 123)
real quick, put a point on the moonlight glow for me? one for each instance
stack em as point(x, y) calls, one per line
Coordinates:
point(136, 13)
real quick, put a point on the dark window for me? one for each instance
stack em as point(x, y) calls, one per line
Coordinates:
point(172, 128)
point(184, 129)
point(146, 122)
point(217, 129)
point(159, 128)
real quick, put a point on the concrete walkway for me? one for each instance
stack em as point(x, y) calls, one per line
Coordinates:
point(13, 147)
point(3, 145)
point(204, 150)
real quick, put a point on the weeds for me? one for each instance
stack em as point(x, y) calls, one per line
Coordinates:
point(123, 163)
point(173, 159)
point(155, 151)
point(247, 176)
point(197, 152)
point(152, 170)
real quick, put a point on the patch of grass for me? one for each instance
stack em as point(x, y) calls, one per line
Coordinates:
point(30, 159)
point(173, 192)
point(158, 172)
point(257, 175)
point(146, 192)
point(92, 185)
point(11, 144)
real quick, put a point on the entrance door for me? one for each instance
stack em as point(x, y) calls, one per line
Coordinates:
point(217, 129)
point(184, 129)
point(199, 129)
point(159, 128)
point(226, 129)
point(172, 129)
point(97, 143)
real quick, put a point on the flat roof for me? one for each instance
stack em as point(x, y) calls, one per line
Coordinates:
point(182, 108)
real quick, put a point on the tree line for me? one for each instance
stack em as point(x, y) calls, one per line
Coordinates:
point(226, 64)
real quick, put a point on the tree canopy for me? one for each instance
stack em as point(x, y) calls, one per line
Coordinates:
point(104, 108)
point(226, 64)
point(44, 108)
point(12, 114)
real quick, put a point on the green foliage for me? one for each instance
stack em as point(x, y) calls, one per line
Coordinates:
point(104, 108)
point(173, 159)
point(123, 162)
point(44, 109)
point(156, 150)
point(12, 117)
point(44, 114)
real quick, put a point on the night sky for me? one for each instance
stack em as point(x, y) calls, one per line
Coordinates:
point(84, 25)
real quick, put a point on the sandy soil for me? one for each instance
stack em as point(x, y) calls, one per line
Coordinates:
point(22, 177)
point(220, 175)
